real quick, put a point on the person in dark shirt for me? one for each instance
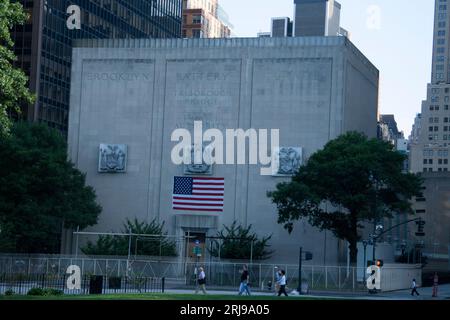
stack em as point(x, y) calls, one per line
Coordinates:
point(245, 279)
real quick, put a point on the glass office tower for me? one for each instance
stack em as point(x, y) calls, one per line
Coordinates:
point(44, 44)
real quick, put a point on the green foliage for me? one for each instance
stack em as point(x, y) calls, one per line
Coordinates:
point(146, 246)
point(44, 292)
point(40, 191)
point(13, 81)
point(236, 243)
point(9, 293)
point(351, 181)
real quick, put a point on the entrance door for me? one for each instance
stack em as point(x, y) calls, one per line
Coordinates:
point(196, 246)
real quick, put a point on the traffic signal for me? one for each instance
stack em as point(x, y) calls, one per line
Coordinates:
point(308, 256)
point(420, 226)
point(379, 263)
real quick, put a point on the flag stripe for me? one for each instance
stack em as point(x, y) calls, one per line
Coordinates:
point(197, 209)
point(202, 204)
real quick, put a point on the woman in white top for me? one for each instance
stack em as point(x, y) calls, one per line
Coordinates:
point(282, 283)
point(201, 281)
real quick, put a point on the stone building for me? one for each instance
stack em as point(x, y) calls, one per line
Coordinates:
point(131, 95)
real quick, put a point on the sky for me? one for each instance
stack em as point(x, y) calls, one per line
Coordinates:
point(395, 35)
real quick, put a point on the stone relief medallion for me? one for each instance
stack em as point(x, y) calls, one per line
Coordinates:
point(197, 169)
point(286, 161)
point(112, 158)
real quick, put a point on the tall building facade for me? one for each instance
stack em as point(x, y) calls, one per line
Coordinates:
point(431, 146)
point(205, 19)
point(281, 27)
point(317, 18)
point(312, 89)
point(44, 44)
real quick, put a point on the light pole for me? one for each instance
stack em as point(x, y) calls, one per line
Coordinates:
point(365, 243)
point(300, 271)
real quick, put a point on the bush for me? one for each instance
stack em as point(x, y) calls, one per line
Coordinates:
point(36, 292)
point(9, 292)
point(44, 292)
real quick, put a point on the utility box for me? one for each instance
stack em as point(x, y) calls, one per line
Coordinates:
point(96, 285)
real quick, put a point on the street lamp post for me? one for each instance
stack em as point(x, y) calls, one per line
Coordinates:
point(365, 243)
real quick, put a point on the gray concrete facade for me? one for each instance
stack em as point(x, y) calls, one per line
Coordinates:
point(137, 92)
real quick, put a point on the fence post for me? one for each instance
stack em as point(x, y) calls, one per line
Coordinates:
point(339, 278)
point(326, 277)
point(163, 283)
point(312, 277)
point(353, 278)
point(260, 276)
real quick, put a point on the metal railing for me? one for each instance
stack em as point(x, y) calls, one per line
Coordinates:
point(21, 284)
point(181, 275)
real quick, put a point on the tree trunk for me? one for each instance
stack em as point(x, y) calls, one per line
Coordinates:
point(353, 241)
point(353, 252)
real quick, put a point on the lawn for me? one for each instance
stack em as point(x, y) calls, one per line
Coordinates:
point(155, 296)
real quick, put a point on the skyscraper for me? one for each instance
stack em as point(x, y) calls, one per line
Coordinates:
point(312, 18)
point(317, 18)
point(281, 27)
point(430, 149)
point(44, 44)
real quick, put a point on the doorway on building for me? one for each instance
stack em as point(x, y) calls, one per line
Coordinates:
point(196, 246)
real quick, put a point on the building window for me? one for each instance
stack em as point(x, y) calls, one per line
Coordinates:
point(196, 19)
point(196, 33)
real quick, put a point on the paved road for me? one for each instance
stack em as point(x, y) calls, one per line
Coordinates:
point(425, 294)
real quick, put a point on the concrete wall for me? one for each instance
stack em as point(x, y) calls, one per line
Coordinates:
point(136, 92)
point(400, 276)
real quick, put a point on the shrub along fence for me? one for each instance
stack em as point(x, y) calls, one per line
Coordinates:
point(57, 284)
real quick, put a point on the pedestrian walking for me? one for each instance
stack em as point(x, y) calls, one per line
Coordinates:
point(201, 281)
point(245, 281)
point(282, 283)
point(435, 285)
point(277, 280)
point(414, 288)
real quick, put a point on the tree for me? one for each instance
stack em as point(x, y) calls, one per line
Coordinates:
point(235, 242)
point(158, 245)
point(41, 192)
point(13, 81)
point(362, 181)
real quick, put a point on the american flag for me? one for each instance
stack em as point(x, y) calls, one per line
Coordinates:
point(198, 194)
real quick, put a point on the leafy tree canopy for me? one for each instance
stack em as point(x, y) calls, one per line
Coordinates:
point(13, 81)
point(351, 181)
point(40, 191)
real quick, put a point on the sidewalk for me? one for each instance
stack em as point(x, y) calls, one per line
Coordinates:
point(425, 294)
